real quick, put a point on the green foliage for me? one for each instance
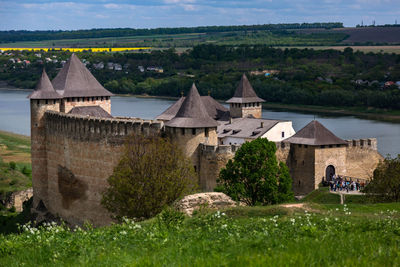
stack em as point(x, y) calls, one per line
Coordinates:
point(151, 175)
point(170, 218)
point(322, 196)
point(385, 184)
point(13, 165)
point(254, 175)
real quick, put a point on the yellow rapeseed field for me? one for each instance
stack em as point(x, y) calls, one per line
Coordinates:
point(119, 49)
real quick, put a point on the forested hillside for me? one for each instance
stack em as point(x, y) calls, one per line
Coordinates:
point(291, 76)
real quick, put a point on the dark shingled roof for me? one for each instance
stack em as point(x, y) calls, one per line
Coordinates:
point(214, 109)
point(246, 128)
point(192, 113)
point(315, 134)
point(245, 93)
point(44, 89)
point(75, 80)
point(92, 111)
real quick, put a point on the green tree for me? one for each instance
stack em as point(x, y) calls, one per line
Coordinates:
point(151, 175)
point(254, 175)
point(385, 184)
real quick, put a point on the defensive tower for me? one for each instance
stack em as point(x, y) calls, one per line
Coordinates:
point(79, 88)
point(245, 101)
point(315, 155)
point(43, 98)
point(192, 126)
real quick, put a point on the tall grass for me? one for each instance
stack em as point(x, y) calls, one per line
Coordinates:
point(334, 238)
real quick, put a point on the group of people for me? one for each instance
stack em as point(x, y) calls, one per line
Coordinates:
point(337, 183)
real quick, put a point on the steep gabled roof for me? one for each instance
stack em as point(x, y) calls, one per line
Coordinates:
point(214, 109)
point(75, 80)
point(245, 93)
point(92, 111)
point(44, 89)
point(192, 113)
point(315, 134)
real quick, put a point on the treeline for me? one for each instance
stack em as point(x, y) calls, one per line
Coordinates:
point(298, 76)
point(17, 36)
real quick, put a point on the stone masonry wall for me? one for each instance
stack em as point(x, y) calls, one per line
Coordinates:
point(212, 160)
point(70, 103)
point(81, 154)
point(335, 156)
point(301, 163)
point(38, 146)
point(362, 158)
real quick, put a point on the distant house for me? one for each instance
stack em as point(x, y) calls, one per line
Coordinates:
point(12, 60)
point(389, 83)
point(141, 68)
point(117, 67)
point(398, 84)
point(110, 65)
point(98, 66)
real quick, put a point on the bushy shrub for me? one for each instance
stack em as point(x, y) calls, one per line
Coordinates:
point(385, 184)
point(254, 175)
point(151, 175)
point(12, 165)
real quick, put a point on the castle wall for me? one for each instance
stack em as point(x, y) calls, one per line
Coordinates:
point(335, 156)
point(212, 160)
point(71, 102)
point(38, 146)
point(282, 152)
point(189, 141)
point(81, 154)
point(362, 158)
point(301, 163)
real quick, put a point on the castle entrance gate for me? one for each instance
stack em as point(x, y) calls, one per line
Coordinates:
point(330, 171)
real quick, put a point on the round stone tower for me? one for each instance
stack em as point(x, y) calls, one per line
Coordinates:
point(192, 126)
point(42, 99)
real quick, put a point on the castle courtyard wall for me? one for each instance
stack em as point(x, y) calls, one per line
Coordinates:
point(71, 102)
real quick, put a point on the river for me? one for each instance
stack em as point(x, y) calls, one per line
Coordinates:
point(15, 117)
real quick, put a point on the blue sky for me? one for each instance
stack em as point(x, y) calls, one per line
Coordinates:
point(87, 14)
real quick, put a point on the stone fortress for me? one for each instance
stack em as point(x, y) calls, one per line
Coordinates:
point(76, 142)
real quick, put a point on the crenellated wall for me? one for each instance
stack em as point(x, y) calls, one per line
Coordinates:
point(212, 159)
point(362, 158)
point(81, 154)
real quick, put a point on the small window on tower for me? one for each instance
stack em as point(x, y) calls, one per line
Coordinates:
point(283, 134)
point(183, 131)
point(206, 132)
point(47, 101)
point(194, 131)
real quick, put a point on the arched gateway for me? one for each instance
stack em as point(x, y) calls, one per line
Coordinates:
point(330, 171)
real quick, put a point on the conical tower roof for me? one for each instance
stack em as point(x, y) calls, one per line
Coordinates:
point(75, 80)
point(44, 89)
point(245, 93)
point(315, 134)
point(192, 113)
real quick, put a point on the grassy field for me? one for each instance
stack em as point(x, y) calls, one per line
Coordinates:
point(366, 49)
point(15, 163)
point(305, 235)
point(192, 39)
